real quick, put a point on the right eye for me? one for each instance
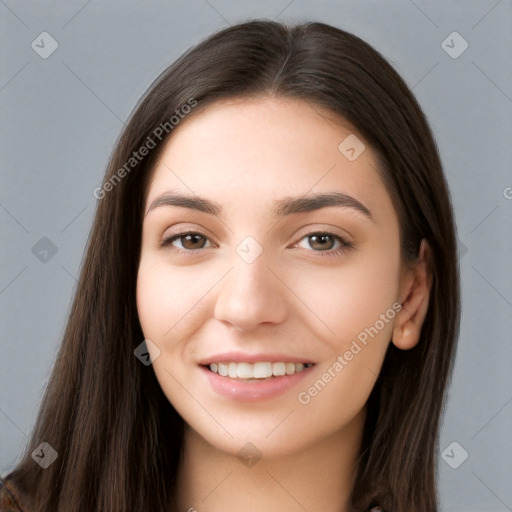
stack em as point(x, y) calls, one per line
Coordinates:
point(190, 241)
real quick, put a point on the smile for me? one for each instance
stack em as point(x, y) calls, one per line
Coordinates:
point(257, 371)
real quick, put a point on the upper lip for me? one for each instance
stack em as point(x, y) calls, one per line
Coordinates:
point(240, 357)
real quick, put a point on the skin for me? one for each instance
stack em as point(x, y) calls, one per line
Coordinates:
point(245, 154)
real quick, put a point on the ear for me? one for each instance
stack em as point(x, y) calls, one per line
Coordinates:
point(415, 292)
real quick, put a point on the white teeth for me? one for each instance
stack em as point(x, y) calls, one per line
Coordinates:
point(278, 369)
point(244, 370)
point(260, 370)
point(223, 369)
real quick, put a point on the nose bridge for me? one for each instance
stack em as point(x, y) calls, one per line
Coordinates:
point(250, 294)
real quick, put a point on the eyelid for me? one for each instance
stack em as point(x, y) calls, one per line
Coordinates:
point(186, 229)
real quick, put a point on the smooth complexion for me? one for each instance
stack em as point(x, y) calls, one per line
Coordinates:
point(302, 298)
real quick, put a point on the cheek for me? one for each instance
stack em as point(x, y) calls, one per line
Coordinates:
point(154, 297)
point(358, 308)
point(351, 299)
point(162, 299)
point(171, 302)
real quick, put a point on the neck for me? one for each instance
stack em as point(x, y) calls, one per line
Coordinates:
point(318, 477)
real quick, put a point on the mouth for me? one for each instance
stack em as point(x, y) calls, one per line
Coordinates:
point(258, 371)
point(251, 378)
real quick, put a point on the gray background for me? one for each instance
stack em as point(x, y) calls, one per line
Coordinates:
point(61, 116)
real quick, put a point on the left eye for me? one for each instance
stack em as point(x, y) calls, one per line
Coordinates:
point(323, 242)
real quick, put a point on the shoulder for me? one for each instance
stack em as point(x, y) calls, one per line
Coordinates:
point(9, 498)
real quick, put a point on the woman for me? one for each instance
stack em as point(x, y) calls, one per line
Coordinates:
point(274, 234)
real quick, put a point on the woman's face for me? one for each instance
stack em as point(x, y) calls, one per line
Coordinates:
point(239, 283)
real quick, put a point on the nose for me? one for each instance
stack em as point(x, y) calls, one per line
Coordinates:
point(250, 295)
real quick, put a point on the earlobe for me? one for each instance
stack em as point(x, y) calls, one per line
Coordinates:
point(416, 286)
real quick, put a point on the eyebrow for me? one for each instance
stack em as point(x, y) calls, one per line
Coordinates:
point(282, 207)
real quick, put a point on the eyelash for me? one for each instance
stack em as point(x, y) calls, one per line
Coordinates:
point(344, 245)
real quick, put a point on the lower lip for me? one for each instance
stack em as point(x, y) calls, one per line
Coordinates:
point(256, 390)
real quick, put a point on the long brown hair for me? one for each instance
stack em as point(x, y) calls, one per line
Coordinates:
point(117, 436)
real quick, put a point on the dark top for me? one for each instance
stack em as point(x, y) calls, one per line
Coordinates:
point(11, 501)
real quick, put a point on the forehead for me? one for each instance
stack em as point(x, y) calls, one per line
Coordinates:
point(247, 151)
